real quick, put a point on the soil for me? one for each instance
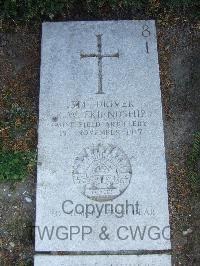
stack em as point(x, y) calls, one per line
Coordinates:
point(179, 57)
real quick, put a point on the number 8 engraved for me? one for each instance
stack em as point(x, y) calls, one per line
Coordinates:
point(146, 33)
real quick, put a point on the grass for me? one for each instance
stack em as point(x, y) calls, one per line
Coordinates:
point(17, 157)
point(18, 128)
point(194, 164)
point(39, 10)
point(16, 165)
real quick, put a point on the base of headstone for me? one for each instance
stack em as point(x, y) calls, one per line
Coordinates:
point(103, 260)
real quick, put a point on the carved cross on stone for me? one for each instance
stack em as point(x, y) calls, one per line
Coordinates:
point(99, 56)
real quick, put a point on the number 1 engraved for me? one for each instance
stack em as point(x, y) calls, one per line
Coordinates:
point(147, 47)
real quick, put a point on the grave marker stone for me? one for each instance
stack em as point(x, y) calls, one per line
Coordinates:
point(101, 183)
point(103, 260)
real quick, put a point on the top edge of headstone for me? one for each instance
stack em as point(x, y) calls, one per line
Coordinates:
point(97, 22)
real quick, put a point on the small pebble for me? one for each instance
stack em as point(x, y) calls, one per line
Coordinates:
point(187, 232)
point(12, 244)
point(27, 199)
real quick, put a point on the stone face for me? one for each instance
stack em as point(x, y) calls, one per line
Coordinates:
point(103, 260)
point(101, 160)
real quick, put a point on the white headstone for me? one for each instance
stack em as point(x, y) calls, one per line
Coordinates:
point(103, 260)
point(102, 182)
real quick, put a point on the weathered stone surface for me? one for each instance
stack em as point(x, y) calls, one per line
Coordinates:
point(103, 260)
point(101, 160)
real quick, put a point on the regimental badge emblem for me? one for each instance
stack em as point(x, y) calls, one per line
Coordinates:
point(102, 172)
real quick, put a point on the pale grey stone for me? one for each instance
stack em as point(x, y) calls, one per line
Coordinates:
point(187, 232)
point(103, 260)
point(12, 244)
point(28, 199)
point(100, 152)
